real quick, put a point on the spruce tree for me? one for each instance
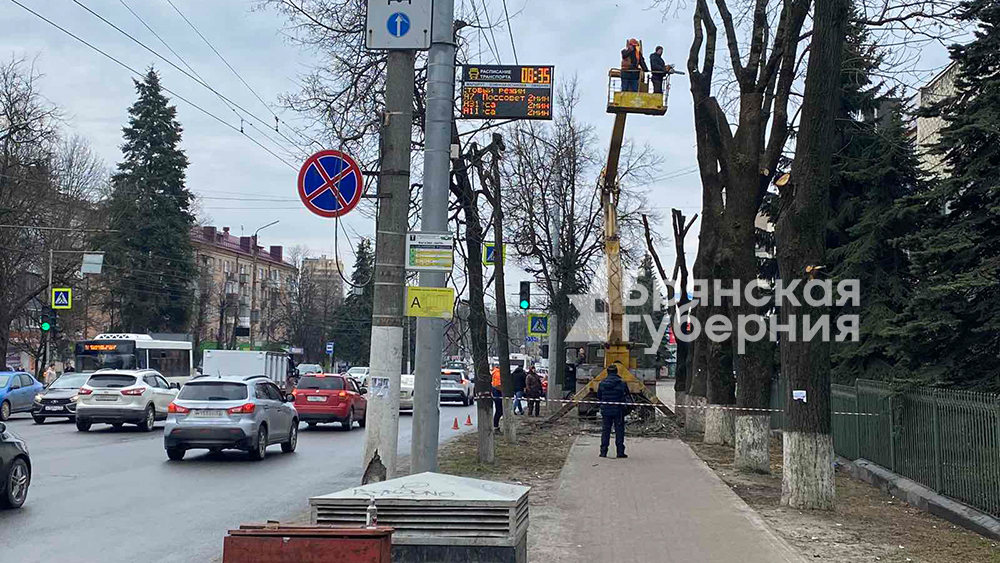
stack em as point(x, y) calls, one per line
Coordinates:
point(951, 326)
point(873, 174)
point(150, 257)
point(351, 325)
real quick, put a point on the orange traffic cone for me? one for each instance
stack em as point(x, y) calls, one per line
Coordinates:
point(468, 420)
point(455, 426)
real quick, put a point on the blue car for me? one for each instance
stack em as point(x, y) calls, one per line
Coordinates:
point(17, 392)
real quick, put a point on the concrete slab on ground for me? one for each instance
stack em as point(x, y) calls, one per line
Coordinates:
point(662, 504)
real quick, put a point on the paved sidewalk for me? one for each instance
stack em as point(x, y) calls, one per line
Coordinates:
point(661, 505)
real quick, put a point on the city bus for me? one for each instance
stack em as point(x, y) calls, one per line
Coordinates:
point(172, 358)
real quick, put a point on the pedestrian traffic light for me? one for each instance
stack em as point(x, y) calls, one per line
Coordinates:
point(46, 323)
point(525, 295)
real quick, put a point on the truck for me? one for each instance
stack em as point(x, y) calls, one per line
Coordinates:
point(246, 362)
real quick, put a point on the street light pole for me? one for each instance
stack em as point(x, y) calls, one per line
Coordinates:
point(437, 172)
point(253, 277)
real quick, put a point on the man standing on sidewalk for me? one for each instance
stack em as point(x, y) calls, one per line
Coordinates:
point(611, 393)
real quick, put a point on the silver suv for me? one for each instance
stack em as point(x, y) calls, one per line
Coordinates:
point(242, 413)
point(117, 396)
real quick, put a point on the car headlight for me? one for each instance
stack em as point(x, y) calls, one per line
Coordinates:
point(74, 398)
point(38, 398)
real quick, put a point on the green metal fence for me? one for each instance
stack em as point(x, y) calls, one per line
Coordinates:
point(946, 440)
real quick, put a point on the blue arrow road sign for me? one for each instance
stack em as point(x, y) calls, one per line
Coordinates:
point(329, 347)
point(531, 339)
point(398, 24)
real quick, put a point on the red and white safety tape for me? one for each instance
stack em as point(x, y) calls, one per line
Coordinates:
point(675, 406)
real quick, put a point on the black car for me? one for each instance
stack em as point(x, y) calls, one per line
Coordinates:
point(15, 469)
point(58, 400)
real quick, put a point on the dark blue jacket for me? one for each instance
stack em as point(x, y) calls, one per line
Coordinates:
point(612, 390)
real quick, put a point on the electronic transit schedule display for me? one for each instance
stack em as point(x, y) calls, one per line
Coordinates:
point(506, 92)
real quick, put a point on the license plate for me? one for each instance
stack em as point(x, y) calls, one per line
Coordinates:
point(105, 398)
point(53, 408)
point(316, 399)
point(213, 413)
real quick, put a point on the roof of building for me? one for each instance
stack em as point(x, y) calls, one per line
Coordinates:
point(222, 240)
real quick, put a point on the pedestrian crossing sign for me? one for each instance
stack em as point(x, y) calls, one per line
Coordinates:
point(490, 254)
point(62, 298)
point(538, 325)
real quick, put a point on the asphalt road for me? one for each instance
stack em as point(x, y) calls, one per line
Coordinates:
point(111, 496)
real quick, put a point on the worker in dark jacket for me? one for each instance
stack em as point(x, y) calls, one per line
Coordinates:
point(611, 392)
point(519, 384)
point(659, 70)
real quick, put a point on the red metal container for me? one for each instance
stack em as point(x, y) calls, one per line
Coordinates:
point(307, 544)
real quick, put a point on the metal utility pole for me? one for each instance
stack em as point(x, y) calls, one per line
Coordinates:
point(253, 276)
point(437, 172)
point(382, 429)
point(48, 333)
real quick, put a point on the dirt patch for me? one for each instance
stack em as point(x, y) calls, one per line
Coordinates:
point(866, 525)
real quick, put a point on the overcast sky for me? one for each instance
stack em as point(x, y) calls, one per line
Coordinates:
point(579, 37)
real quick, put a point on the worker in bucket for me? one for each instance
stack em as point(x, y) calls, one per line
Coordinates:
point(632, 63)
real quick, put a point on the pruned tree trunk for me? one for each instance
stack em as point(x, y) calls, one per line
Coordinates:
point(807, 479)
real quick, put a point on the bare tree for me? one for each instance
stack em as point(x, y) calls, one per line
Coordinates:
point(44, 182)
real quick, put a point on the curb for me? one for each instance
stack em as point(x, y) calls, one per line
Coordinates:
point(922, 497)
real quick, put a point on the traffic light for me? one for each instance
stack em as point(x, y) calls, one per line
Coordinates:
point(46, 323)
point(525, 295)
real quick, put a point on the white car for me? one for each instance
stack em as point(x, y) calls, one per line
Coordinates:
point(305, 369)
point(456, 386)
point(406, 393)
point(359, 374)
point(116, 397)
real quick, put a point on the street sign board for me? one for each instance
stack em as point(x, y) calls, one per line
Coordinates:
point(431, 252)
point(507, 92)
point(329, 347)
point(92, 263)
point(538, 325)
point(330, 183)
point(399, 24)
point(532, 339)
point(62, 298)
point(434, 302)
point(489, 254)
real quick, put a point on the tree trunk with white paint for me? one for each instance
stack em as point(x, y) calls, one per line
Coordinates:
point(753, 437)
point(714, 423)
point(808, 479)
point(680, 404)
point(695, 421)
point(509, 422)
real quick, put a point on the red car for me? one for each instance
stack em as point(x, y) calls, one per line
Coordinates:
point(322, 397)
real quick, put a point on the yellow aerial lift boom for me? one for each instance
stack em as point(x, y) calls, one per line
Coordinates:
point(617, 350)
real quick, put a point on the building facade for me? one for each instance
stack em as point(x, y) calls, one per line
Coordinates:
point(242, 290)
point(328, 274)
point(928, 128)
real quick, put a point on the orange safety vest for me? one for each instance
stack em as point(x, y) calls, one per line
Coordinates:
point(496, 378)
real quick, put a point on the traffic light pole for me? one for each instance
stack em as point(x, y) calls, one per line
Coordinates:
point(434, 211)
point(48, 333)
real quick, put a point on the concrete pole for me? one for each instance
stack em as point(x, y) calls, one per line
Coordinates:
point(437, 172)
point(382, 428)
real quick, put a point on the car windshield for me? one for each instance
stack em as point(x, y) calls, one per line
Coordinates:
point(111, 380)
point(357, 370)
point(69, 382)
point(309, 368)
point(213, 391)
point(327, 383)
point(4, 380)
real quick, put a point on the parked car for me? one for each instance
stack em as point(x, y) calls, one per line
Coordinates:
point(117, 397)
point(324, 397)
point(406, 392)
point(16, 391)
point(240, 413)
point(456, 387)
point(15, 469)
point(59, 398)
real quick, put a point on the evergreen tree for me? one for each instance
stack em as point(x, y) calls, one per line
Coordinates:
point(150, 255)
point(351, 325)
point(951, 326)
point(873, 173)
